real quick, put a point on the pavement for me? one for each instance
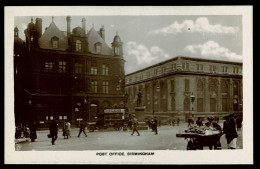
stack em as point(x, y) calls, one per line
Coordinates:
point(116, 140)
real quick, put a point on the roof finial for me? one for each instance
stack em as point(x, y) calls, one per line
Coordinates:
point(93, 24)
point(31, 19)
point(117, 33)
point(52, 18)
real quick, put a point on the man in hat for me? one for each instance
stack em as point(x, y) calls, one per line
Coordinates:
point(212, 124)
point(199, 122)
point(54, 127)
point(135, 125)
point(229, 129)
point(215, 140)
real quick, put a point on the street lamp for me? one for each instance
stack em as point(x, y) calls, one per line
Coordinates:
point(192, 98)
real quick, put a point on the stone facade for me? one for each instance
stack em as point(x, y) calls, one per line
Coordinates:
point(167, 88)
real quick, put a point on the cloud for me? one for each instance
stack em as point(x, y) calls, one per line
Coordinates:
point(201, 25)
point(212, 50)
point(141, 56)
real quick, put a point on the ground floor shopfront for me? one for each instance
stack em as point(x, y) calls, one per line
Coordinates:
point(44, 108)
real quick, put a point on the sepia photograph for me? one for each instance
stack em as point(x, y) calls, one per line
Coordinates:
point(128, 85)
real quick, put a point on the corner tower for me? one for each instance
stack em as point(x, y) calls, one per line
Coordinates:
point(117, 46)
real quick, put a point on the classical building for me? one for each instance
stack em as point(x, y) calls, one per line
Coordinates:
point(184, 87)
point(66, 75)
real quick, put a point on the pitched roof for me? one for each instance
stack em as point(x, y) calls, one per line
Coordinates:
point(93, 38)
point(52, 31)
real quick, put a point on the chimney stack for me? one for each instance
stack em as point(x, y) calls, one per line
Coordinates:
point(39, 26)
point(102, 32)
point(84, 24)
point(68, 25)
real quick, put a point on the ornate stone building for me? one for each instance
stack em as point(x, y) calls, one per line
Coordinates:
point(66, 75)
point(185, 86)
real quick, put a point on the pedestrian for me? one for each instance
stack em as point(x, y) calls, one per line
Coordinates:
point(154, 125)
point(82, 127)
point(67, 129)
point(19, 131)
point(199, 122)
point(54, 127)
point(229, 129)
point(239, 122)
point(215, 141)
point(64, 130)
point(189, 122)
point(149, 123)
point(130, 124)
point(135, 125)
point(178, 121)
point(211, 124)
point(173, 122)
point(26, 131)
point(33, 134)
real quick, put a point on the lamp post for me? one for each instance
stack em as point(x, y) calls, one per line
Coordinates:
point(192, 98)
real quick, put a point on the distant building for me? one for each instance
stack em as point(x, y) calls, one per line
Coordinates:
point(168, 87)
point(66, 75)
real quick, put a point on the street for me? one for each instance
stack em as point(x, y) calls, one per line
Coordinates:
point(117, 140)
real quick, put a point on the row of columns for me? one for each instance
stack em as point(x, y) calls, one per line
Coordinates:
point(166, 93)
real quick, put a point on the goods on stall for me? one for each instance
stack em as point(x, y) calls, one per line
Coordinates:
point(200, 130)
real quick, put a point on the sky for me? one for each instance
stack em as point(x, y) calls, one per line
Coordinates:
point(150, 39)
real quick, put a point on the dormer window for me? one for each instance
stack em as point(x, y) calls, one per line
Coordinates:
point(54, 42)
point(98, 47)
point(78, 46)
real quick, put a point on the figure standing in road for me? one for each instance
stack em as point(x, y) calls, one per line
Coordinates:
point(214, 126)
point(53, 131)
point(135, 125)
point(63, 130)
point(189, 122)
point(82, 127)
point(239, 122)
point(67, 129)
point(229, 128)
point(33, 134)
point(178, 121)
point(199, 122)
point(154, 125)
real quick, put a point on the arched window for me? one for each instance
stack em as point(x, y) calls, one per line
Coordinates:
point(186, 104)
point(224, 91)
point(78, 46)
point(235, 88)
point(117, 51)
point(173, 104)
point(213, 105)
